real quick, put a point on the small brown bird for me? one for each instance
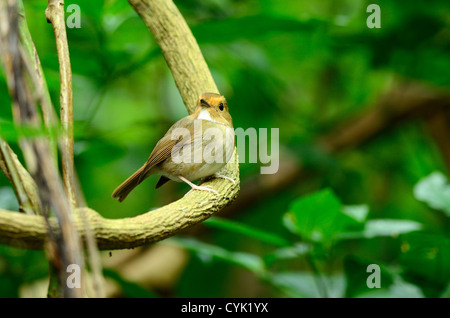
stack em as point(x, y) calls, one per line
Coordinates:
point(195, 147)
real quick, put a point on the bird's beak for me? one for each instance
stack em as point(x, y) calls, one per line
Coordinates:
point(204, 103)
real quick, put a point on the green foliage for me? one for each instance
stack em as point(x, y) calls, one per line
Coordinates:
point(244, 229)
point(427, 262)
point(19, 267)
point(435, 191)
point(384, 227)
point(392, 284)
point(208, 252)
point(302, 66)
point(318, 217)
point(129, 289)
point(324, 225)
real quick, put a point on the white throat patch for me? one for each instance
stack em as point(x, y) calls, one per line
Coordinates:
point(204, 114)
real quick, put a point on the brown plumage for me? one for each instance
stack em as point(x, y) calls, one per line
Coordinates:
point(211, 112)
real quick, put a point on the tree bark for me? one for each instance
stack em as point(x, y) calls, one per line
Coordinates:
point(179, 47)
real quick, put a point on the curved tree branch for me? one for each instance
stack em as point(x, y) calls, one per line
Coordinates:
point(179, 47)
point(193, 78)
point(29, 231)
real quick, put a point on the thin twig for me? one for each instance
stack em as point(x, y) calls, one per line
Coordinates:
point(55, 15)
point(23, 184)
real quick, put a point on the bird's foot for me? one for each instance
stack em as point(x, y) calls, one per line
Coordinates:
point(202, 188)
point(218, 175)
point(197, 187)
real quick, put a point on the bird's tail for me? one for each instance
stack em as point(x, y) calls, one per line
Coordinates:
point(128, 185)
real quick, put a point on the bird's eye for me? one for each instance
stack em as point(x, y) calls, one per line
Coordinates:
point(221, 106)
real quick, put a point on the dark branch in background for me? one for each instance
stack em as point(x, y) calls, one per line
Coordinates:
point(439, 128)
point(406, 101)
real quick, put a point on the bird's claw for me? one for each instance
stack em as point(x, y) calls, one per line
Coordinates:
point(218, 175)
point(202, 188)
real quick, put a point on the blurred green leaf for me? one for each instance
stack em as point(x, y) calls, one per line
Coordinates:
point(435, 191)
point(19, 267)
point(427, 259)
point(383, 227)
point(386, 227)
point(357, 212)
point(88, 10)
point(356, 272)
point(398, 289)
point(247, 230)
point(392, 285)
point(305, 284)
point(207, 252)
point(129, 289)
point(292, 252)
point(97, 151)
point(318, 216)
point(122, 40)
point(250, 27)
point(11, 132)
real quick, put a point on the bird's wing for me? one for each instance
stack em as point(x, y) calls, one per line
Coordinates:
point(164, 147)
